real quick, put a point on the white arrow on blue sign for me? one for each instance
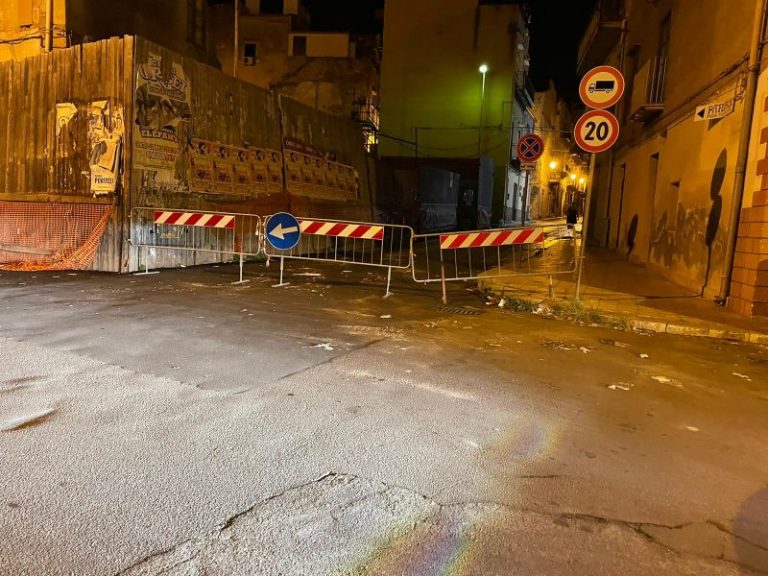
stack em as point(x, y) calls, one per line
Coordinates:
point(283, 231)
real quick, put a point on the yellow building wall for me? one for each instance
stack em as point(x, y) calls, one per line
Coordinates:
point(431, 88)
point(22, 27)
point(324, 45)
point(693, 188)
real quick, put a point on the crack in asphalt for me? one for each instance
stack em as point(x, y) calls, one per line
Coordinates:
point(640, 528)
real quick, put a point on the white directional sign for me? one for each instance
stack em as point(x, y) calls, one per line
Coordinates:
point(283, 231)
point(714, 111)
point(601, 87)
point(596, 131)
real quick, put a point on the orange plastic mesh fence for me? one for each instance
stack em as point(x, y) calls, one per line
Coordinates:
point(47, 236)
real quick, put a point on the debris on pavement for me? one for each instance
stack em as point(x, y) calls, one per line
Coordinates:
point(386, 316)
point(616, 343)
point(621, 386)
point(325, 346)
point(742, 376)
point(585, 350)
point(644, 356)
point(692, 428)
point(662, 379)
point(502, 303)
point(557, 345)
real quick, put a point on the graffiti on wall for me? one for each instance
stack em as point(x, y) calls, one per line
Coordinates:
point(220, 169)
point(691, 236)
point(163, 110)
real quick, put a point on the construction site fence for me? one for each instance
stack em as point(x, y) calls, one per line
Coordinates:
point(164, 236)
point(450, 257)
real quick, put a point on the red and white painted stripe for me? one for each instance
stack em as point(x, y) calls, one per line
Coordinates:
point(195, 219)
point(491, 238)
point(342, 229)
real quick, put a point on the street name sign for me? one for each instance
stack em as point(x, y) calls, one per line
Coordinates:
point(283, 231)
point(602, 87)
point(596, 131)
point(530, 147)
point(714, 111)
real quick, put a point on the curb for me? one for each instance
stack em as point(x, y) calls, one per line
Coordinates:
point(681, 330)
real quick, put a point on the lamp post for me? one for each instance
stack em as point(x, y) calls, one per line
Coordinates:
point(483, 70)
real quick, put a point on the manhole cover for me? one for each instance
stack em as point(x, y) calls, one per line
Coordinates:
point(460, 311)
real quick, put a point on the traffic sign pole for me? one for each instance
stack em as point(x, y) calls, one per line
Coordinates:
point(585, 227)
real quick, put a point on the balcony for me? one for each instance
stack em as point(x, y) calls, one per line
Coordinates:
point(524, 89)
point(602, 34)
point(648, 93)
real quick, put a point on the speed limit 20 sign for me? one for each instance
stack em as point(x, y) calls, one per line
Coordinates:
point(596, 131)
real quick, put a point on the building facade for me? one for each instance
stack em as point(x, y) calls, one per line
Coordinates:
point(560, 177)
point(439, 109)
point(30, 27)
point(665, 195)
point(335, 72)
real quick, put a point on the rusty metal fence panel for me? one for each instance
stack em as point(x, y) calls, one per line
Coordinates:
point(361, 243)
point(534, 250)
point(220, 236)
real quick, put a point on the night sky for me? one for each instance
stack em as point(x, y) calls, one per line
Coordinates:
point(556, 28)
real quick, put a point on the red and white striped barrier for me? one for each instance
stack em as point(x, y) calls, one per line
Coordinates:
point(342, 229)
point(195, 219)
point(491, 238)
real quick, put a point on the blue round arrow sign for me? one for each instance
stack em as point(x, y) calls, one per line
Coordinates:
point(283, 231)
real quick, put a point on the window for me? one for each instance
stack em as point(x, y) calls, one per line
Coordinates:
point(196, 22)
point(299, 46)
point(271, 6)
point(664, 36)
point(249, 53)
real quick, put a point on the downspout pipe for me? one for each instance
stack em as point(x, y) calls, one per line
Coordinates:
point(750, 95)
point(48, 42)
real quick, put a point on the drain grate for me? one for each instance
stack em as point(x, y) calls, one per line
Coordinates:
point(460, 311)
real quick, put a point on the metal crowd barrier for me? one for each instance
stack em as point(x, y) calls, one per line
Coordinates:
point(194, 232)
point(362, 243)
point(504, 252)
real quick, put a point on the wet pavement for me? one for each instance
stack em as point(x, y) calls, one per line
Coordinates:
point(178, 424)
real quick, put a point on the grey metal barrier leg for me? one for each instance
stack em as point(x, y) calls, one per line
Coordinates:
point(146, 263)
point(241, 281)
point(442, 277)
point(389, 282)
point(282, 265)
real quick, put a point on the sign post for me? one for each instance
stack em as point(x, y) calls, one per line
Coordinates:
point(595, 132)
point(283, 232)
point(530, 147)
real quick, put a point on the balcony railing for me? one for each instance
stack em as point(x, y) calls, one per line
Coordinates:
point(602, 34)
point(648, 93)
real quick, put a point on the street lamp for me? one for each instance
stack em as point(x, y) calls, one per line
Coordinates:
point(483, 70)
point(552, 165)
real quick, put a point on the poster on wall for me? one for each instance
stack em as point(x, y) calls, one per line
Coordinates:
point(223, 170)
point(293, 172)
point(105, 137)
point(275, 171)
point(201, 165)
point(242, 172)
point(260, 168)
point(220, 169)
point(317, 175)
point(162, 105)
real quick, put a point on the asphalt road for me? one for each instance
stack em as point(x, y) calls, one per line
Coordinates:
point(176, 424)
